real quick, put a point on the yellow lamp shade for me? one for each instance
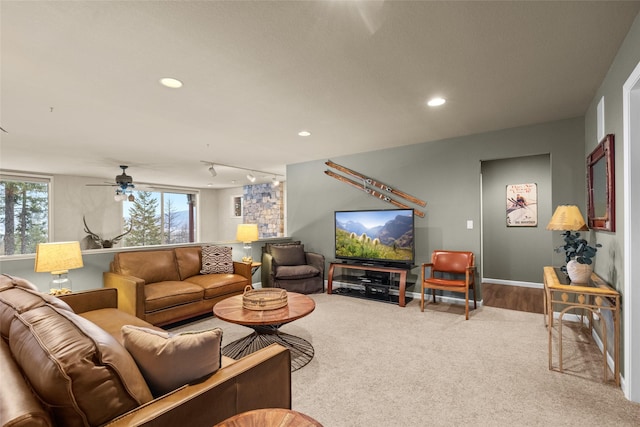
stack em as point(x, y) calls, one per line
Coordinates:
point(247, 232)
point(567, 218)
point(58, 257)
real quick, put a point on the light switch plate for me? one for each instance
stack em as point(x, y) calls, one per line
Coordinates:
point(469, 224)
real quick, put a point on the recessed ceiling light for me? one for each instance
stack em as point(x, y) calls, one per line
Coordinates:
point(435, 102)
point(171, 82)
point(304, 133)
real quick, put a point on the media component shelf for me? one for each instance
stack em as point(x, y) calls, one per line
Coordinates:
point(370, 281)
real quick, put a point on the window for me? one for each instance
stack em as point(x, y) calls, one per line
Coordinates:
point(159, 217)
point(24, 213)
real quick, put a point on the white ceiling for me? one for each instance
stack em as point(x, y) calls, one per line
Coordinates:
point(80, 92)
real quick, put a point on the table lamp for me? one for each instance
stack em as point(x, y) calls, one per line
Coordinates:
point(567, 218)
point(58, 258)
point(247, 233)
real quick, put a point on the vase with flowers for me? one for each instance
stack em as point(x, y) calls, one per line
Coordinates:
point(578, 256)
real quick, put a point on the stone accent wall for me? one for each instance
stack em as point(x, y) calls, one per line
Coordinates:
point(264, 205)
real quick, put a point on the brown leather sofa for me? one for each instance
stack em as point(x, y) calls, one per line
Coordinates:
point(165, 286)
point(63, 364)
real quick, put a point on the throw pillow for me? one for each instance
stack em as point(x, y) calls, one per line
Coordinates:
point(168, 361)
point(267, 246)
point(288, 255)
point(216, 259)
point(292, 272)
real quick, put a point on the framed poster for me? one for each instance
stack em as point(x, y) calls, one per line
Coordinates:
point(522, 206)
point(236, 206)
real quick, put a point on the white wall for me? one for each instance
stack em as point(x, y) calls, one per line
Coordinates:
point(227, 224)
point(72, 199)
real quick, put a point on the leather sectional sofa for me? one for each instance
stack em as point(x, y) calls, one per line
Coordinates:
point(63, 363)
point(165, 286)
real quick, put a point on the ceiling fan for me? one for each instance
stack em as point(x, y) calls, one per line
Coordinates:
point(124, 183)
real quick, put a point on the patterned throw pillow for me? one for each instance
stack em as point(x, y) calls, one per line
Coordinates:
point(216, 259)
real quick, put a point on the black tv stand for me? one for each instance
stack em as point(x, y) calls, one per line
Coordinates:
point(376, 279)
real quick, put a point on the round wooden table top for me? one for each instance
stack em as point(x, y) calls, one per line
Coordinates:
point(232, 311)
point(270, 417)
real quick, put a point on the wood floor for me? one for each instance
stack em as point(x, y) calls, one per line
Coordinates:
point(513, 297)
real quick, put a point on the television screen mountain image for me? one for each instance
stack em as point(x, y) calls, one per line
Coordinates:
point(384, 236)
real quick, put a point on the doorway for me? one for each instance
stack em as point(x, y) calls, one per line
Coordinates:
point(501, 264)
point(631, 300)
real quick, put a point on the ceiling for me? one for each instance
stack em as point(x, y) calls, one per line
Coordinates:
point(80, 90)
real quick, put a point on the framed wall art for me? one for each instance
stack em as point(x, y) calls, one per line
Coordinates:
point(522, 205)
point(601, 186)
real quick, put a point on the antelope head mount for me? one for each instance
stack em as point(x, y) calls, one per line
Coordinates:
point(103, 242)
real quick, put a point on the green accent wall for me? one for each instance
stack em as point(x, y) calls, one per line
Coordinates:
point(447, 175)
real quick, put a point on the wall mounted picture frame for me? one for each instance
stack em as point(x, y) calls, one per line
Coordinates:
point(236, 206)
point(601, 186)
point(522, 205)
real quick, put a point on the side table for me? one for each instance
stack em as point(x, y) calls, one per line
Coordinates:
point(594, 297)
point(255, 266)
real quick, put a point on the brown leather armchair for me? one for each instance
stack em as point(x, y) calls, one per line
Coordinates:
point(288, 266)
point(447, 269)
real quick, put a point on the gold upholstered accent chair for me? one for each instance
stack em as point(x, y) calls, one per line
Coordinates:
point(452, 271)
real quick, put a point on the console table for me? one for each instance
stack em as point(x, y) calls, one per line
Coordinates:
point(402, 272)
point(594, 297)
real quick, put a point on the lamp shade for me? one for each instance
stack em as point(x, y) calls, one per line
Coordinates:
point(58, 257)
point(247, 232)
point(567, 218)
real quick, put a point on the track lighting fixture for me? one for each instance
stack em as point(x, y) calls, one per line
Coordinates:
point(250, 172)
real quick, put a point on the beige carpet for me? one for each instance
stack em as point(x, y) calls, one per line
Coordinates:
point(377, 364)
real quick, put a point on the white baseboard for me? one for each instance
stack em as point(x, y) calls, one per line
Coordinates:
point(513, 283)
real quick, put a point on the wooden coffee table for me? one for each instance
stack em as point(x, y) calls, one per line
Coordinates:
point(266, 327)
point(270, 417)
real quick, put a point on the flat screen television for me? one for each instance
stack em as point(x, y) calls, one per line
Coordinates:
point(379, 237)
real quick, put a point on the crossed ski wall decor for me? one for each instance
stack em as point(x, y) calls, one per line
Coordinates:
point(366, 184)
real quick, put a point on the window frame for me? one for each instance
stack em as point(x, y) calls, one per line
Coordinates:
point(10, 175)
point(173, 190)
